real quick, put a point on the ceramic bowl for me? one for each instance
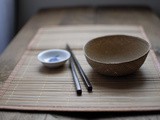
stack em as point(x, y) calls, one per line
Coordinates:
point(116, 55)
point(54, 57)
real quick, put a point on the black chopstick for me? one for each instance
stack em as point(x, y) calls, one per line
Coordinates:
point(80, 70)
point(75, 77)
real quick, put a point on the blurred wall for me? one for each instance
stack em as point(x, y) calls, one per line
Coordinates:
point(26, 8)
point(7, 22)
point(30, 7)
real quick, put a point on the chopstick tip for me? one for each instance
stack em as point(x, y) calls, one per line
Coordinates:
point(79, 92)
point(90, 89)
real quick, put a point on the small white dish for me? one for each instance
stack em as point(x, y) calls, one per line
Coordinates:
point(53, 58)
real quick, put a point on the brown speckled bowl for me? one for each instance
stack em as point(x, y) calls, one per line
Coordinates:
point(116, 55)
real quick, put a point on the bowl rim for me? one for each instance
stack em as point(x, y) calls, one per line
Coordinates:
point(120, 35)
point(53, 50)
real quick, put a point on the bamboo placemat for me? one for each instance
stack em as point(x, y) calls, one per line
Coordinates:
point(31, 86)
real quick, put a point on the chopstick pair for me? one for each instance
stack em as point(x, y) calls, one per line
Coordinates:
point(74, 63)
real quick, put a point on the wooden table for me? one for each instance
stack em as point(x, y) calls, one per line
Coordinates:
point(74, 16)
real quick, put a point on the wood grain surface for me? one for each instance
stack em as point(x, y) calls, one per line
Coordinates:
point(75, 16)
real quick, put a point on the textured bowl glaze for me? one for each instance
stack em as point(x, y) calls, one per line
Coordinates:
point(116, 55)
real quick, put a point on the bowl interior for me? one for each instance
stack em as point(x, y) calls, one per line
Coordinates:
point(53, 56)
point(116, 49)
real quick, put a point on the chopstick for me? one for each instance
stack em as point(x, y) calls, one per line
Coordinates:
point(75, 77)
point(80, 70)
